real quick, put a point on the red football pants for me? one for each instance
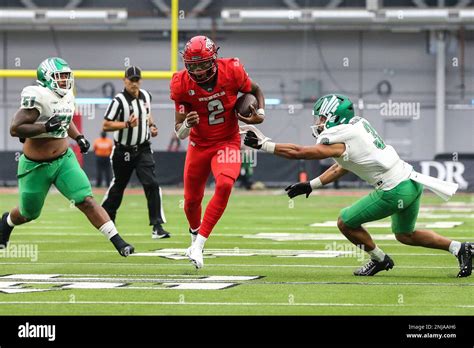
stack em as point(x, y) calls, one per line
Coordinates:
point(224, 161)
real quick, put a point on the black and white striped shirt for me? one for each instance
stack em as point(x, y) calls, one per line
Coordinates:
point(122, 106)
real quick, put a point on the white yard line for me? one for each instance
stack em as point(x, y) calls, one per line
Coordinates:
point(207, 265)
point(272, 304)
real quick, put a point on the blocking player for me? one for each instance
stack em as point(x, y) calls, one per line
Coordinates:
point(205, 93)
point(44, 122)
point(356, 147)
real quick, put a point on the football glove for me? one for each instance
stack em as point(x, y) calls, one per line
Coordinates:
point(299, 189)
point(52, 124)
point(254, 133)
point(251, 140)
point(84, 145)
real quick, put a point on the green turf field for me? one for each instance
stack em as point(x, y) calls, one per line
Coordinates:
point(269, 259)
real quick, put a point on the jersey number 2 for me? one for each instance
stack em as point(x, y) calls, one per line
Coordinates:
point(215, 108)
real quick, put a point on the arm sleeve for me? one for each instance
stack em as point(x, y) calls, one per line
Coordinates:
point(31, 99)
point(241, 78)
point(113, 110)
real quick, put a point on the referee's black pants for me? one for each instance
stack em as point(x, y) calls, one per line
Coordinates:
point(124, 161)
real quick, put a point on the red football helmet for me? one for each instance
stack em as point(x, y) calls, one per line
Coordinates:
point(200, 54)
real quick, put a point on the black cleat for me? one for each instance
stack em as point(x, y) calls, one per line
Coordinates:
point(5, 231)
point(465, 260)
point(373, 267)
point(159, 233)
point(127, 250)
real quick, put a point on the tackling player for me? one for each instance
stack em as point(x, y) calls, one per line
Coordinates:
point(43, 123)
point(205, 93)
point(356, 147)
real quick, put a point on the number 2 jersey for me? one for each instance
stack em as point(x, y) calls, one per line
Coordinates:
point(366, 154)
point(217, 121)
point(49, 104)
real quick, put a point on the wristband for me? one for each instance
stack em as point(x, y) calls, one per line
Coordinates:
point(127, 124)
point(261, 112)
point(183, 131)
point(152, 125)
point(315, 183)
point(269, 147)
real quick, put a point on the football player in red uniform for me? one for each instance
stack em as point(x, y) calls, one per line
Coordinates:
point(205, 93)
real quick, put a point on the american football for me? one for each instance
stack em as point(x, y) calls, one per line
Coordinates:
point(242, 105)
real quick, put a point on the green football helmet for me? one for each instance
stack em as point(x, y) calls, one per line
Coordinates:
point(54, 73)
point(331, 110)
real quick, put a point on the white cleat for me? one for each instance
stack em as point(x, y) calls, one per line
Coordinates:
point(195, 256)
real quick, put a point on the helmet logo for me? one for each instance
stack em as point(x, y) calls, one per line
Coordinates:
point(209, 44)
point(329, 106)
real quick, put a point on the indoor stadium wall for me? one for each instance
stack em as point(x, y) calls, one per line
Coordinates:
point(406, 60)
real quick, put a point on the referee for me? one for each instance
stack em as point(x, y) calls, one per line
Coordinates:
point(129, 117)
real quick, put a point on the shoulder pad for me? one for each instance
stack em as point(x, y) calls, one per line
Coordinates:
point(334, 135)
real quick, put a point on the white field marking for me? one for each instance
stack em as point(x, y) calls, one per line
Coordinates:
point(283, 237)
point(445, 216)
point(272, 304)
point(451, 210)
point(100, 282)
point(457, 204)
point(436, 224)
point(73, 278)
point(233, 265)
point(233, 244)
point(297, 253)
point(178, 254)
point(216, 281)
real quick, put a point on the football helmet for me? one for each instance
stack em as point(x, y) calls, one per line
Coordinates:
point(331, 110)
point(199, 56)
point(54, 73)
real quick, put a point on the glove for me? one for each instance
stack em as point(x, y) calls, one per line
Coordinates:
point(83, 143)
point(299, 189)
point(251, 140)
point(53, 124)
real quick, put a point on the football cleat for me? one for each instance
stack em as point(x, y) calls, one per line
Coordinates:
point(373, 267)
point(127, 250)
point(159, 233)
point(465, 260)
point(5, 231)
point(195, 256)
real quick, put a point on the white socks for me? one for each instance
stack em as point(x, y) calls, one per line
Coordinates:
point(199, 242)
point(108, 229)
point(377, 254)
point(194, 234)
point(454, 247)
point(9, 221)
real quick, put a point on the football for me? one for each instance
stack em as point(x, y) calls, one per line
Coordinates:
point(242, 105)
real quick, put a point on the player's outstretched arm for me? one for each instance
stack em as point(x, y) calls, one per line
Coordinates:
point(23, 124)
point(319, 151)
point(330, 175)
point(293, 151)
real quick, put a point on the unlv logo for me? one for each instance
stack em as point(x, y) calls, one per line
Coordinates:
point(450, 171)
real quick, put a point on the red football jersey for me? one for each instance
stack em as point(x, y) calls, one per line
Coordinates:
point(217, 121)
